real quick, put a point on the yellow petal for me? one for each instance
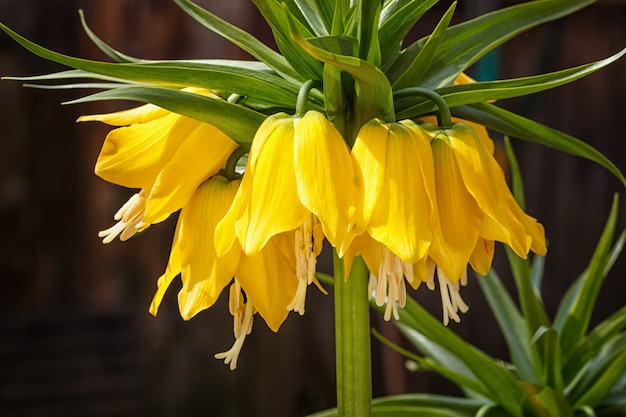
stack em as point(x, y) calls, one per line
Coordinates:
point(201, 155)
point(325, 176)
point(369, 155)
point(172, 270)
point(204, 274)
point(459, 214)
point(401, 219)
point(269, 280)
point(141, 114)
point(485, 180)
point(133, 156)
point(272, 205)
point(482, 257)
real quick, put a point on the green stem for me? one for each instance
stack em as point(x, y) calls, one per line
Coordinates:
point(444, 118)
point(352, 339)
point(303, 97)
point(231, 165)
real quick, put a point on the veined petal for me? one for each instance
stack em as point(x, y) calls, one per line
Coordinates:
point(401, 219)
point(272, 205)
point(201, 155)
point(204, 274)
point(133, 156)
point(484, 179)
point(171, 271)
point(269, 280)
point(459, 214)
point(141, 114)
point(325, 177)
point(369, 154)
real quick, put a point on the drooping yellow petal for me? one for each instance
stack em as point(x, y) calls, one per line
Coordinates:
point(172, 270)
point(269, 279)
point(459, 214)
point(485, 180)
point(133, 156)
point(401, 218)
point(267, 202)
point(482, 256)
point(325, 176)
point(204, 274)
point(201, 155)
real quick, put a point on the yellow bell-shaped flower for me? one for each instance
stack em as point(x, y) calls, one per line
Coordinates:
point(268, 279)
point(299, 179)
point(165, 155)
point(475, 205)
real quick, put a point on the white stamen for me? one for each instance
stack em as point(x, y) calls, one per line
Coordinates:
point(245, 327)
point(308, 246)
point(390, 287)
point(451, 300)
point(129, 218)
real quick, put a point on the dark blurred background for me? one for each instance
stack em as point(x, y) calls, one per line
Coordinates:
point(75, 335)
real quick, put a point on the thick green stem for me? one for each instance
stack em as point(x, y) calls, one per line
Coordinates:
point(444, 119)
point(352, 340)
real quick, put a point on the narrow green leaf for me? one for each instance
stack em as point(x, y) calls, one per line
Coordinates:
point(520, 127)
point(536, 273)
point(103, 46)
point(413, 74)
point(576, 321)
point(373, 92)
point(547, 341)
point(512, 325)
point(478, 92)
point(593, 342)
point(439, 360)
point(396, 19)
point(601, 375)
point(280, 19)
point(256, 84)
point(238, 122)
point(531, 305)
point(542, 401)
point(364, 27)
point(241, 38)
point(503, 388)
point(318, 13)
point(467, 42)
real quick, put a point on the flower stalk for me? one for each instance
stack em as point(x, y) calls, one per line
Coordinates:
point(352, 339)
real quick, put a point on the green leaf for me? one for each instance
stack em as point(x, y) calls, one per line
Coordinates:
point(318, 14)
point(364, 26)
point(512, 325)
point(427, 405)
point(281, 21)
point(503, 388)
point(396, 19)
point(103, 46)
point(416, 70)
point(573, 324)
point(255, 84)
point(467, 42)
point(531, 305)
point(439, 360)
point(238, 122)
point(546, 339)
point(242, 39)
point(520, 127)
point(591, 344)
point(478, 92)
point(373, 92)
point(600, 375)
point(543, 401)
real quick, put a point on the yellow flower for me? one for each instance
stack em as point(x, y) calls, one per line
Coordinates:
point(475, 206)
point(299, 179)
point(397, 208)
point(268, 279)
point(165, 155)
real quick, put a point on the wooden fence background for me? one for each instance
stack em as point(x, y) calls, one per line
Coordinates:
point(75, 335)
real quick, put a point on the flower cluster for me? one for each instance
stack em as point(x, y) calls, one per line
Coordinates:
point(416, 201)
